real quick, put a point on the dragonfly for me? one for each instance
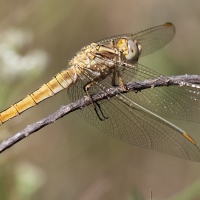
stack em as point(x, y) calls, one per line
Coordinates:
point(133, 117)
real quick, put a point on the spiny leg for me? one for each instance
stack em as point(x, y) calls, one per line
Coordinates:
point(98, 105)
point(86, 88)
point(113, 78)
point(116, 70)
point(121, 83)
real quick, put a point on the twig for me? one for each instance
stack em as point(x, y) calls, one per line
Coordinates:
point(187, 80)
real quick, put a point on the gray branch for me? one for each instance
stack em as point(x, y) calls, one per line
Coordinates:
point(162, 81)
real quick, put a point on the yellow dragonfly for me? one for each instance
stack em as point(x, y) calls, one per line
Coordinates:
point(131, 117)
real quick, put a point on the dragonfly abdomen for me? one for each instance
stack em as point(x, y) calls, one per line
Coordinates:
point(58, 83)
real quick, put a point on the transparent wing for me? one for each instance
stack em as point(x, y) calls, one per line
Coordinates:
point(134, 124)
point(151, 39)
point(174, 101)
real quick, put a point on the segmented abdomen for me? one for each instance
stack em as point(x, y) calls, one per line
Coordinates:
point(60, 82)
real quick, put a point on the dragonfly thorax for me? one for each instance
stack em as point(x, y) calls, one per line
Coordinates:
point(98, 60)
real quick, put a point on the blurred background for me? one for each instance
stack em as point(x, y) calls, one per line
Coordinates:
point(70, 159)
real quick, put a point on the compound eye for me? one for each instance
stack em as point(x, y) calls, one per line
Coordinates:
point(132, 50)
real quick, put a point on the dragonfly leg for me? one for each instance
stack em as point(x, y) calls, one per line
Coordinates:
point(116, 71)
point(113, 78)
point(95, 104)
point(121, 83)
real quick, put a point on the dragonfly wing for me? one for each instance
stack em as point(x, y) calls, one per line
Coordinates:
point(151, 39)
point(135, 125)
point(173, 101)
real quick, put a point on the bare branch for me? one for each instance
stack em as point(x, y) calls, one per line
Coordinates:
point(187, 80)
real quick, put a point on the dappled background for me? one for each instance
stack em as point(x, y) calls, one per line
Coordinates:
point(70, 159)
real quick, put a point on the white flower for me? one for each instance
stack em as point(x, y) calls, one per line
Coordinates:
point(14, 65)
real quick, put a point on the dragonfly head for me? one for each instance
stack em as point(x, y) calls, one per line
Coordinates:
point(130, 48)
